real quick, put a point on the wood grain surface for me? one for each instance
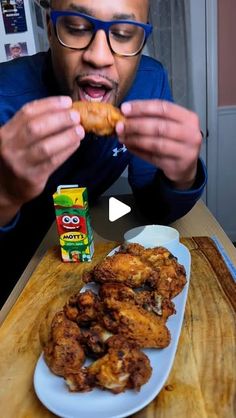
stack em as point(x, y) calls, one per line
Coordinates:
point(202, 383)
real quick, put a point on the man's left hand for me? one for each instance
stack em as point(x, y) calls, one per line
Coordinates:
point(164, 134)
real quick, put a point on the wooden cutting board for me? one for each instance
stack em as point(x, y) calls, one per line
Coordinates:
point(202, 383)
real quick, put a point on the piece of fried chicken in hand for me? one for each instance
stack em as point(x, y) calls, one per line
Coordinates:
point(63, 353)
point(118, 370)
point(100, 118)
point(150, 300)
point(121, 268)
point(137, 324)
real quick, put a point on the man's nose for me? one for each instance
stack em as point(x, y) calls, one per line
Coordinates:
point(98, 52)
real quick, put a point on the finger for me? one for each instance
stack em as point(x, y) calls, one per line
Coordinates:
point(30, 111)
point(159, 127)
point(48, 149)
point(159, 108)
point(172, 168)
point(47, 167)
point(50, 104)
point(161, 147)
point(156, 160)
point(34, 177)
point(44, 126)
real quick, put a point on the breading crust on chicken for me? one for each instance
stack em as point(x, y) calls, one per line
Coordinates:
point(137, 324)
point(63, 353)
point(150, 300)
point(99, 118)
point(83, 308)
point(121, 268)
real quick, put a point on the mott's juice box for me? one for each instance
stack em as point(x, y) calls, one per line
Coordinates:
point(73, 223)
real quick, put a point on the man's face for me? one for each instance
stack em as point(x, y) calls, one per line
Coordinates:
point(96, 73)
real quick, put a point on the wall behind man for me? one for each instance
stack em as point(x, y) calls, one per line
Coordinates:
point(226, 143)
point(227, 52)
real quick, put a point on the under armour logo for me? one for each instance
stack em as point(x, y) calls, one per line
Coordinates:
point(117, 151)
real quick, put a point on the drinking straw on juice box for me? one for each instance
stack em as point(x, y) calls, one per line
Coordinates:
point(73, 223)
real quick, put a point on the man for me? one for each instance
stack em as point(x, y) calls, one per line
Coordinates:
point(43, 144)
point(15, 50)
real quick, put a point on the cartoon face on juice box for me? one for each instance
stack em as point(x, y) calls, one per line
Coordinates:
point(73, 223)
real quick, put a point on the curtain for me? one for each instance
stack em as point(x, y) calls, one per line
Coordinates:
point(170, 43)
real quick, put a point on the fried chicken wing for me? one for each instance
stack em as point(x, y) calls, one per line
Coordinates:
point(63, 352)
point(170, 277)
point(118, 370)
point(94, 340)
point(120, 341)
point(132, 248)
point(171, 282)
point(121, 268)
point(99, 118)
point(82, 381)
point(83, 307)
point(151, 301)
point(117, 291)
point(145, 328)
point(122, 369)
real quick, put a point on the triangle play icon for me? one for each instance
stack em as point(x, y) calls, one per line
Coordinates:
point(117, 209)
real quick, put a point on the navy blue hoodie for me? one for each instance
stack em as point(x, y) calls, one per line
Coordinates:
point(97, 164)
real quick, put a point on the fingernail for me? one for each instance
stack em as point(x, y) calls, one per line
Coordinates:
point(126, 108)
point(80, 131)
point(65, 101)
point(75, 116)
point(120, 128)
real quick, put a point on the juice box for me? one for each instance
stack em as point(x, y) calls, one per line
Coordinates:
point(73, 223)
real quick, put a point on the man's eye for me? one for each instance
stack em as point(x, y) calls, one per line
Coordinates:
point(121, 35)
point(78, 30)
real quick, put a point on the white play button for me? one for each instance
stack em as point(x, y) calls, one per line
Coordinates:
point(117, 209)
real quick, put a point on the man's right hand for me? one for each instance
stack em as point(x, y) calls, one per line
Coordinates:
point(33, 144)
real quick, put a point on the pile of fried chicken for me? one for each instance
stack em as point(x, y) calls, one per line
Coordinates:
point(128, 313)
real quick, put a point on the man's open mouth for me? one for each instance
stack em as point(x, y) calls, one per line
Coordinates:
point(95, 90)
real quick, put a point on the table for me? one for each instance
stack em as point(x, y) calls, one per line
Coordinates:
point(202, 383)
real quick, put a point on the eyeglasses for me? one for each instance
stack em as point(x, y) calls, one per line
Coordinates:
point(77, 31)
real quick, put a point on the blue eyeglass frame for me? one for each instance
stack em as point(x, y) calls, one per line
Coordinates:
point(99, 25)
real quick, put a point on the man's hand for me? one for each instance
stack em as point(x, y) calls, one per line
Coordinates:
point(164, 134)
point(33, 144)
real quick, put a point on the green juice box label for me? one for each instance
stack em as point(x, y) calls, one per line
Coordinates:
point(73, 223)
